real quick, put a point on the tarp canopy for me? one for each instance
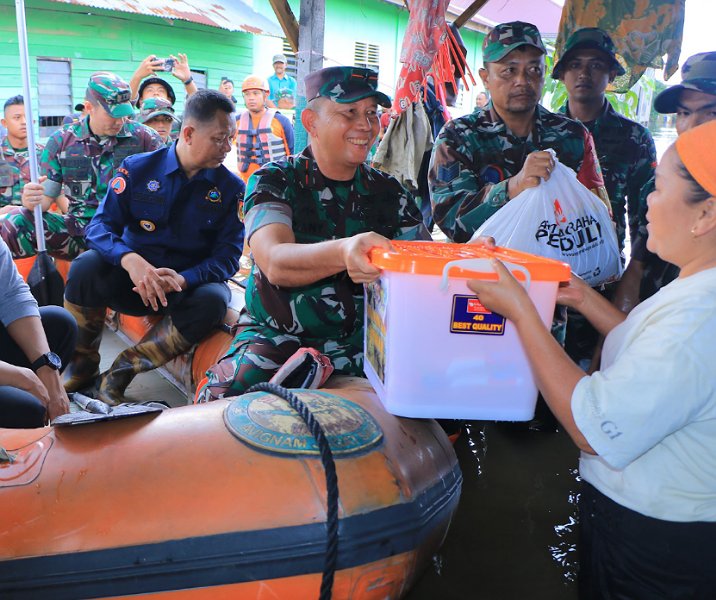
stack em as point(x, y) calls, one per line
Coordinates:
point(544, 14)
point(234, 15)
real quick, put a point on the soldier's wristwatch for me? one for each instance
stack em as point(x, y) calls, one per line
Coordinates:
point(49, 359)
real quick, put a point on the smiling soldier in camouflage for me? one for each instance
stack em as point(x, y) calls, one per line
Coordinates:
point(311, 220)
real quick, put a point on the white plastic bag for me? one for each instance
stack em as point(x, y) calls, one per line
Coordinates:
point(560, 219)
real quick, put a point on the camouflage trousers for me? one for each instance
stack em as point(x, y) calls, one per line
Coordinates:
point(64, 234)
point(258, 351)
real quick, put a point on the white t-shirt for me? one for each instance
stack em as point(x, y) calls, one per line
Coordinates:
point(650, 412)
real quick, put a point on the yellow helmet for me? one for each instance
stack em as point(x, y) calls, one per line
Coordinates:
point(254, 82)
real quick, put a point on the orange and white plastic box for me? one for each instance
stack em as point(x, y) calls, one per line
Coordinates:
point(432, 350)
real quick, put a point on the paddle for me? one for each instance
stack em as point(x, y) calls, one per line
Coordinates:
point(45, 282)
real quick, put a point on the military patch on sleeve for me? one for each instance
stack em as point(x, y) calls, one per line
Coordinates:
point(122, 170)
point(492, 174)
point(118, 184)
point(448, 173)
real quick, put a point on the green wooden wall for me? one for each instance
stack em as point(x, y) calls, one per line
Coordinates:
point(96, 39)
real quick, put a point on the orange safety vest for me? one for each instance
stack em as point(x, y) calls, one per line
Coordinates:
point(261, 145)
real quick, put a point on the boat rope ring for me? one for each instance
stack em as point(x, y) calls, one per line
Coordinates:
point(268, 423)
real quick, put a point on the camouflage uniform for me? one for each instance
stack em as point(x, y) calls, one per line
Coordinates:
point(475, 155)
point(627, 156)
point(14, 172)
point(326, 315)
point(698, 74)
point(78, 163)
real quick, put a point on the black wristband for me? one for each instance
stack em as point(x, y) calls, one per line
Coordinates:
point(188, 81)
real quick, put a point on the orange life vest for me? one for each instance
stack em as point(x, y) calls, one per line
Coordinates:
point(259, 145)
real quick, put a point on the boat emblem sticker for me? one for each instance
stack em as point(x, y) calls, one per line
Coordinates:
point(470, 316)
point(118, 185)
point(267, 422)
point(153, 185)
point(147, 225)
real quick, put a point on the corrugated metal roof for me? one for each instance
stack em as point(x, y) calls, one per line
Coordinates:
point(233, 15)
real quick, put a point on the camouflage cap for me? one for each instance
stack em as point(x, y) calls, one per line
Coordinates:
point(505, 37)
point(588, 38)
point(345, 85)
point(111, 92)
point(155, 107)
point(698, 74)
point(279, 58)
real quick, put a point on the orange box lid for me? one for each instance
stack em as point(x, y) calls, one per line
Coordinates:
point(429, 258)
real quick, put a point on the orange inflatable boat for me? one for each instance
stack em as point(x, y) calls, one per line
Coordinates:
point(224, 500)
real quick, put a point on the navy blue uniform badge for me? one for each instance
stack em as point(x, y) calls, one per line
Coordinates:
point(118, 185)
point(213, 195)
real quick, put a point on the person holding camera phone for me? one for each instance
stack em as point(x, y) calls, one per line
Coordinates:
point(155, 86)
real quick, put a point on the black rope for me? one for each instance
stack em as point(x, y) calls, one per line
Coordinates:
point(329, 467)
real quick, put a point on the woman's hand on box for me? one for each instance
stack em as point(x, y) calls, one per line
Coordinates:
point(573, 292)
point(355, 256)
point(505, 296)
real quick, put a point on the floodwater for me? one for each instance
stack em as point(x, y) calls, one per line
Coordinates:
point(514, 533)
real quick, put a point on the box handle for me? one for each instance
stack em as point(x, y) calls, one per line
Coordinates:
point(481, 265)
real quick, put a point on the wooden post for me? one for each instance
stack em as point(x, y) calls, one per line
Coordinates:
point(287, 20)
point(312, 23)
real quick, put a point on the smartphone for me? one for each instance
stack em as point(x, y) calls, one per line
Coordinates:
point(167, 63)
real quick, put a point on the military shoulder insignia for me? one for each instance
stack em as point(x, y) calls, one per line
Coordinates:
point(122, 170)
point(152, 185)
point(147, 225)
point(118, 184)
point(448, 172)
point(213, 195)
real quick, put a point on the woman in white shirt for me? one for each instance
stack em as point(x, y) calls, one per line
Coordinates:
point(646, 421)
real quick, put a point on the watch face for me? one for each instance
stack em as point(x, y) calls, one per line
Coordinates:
point(54, 360)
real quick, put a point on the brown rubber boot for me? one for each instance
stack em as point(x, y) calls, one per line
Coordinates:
point(83, 369)
point(162, 343)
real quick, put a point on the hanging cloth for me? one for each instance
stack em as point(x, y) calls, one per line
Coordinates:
point(642, 31)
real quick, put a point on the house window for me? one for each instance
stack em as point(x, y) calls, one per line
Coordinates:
point(292, 64)
point(54, 93)
point(367, 56)
point(199, 79)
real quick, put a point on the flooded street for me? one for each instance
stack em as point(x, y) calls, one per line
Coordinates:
point(514, 535)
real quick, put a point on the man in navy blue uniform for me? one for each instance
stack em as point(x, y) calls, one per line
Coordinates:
point(164, 241)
